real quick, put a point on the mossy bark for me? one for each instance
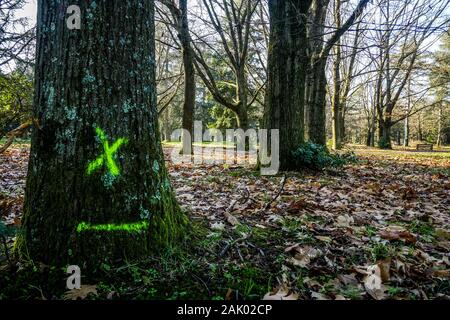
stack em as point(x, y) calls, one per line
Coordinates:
point(102, 76)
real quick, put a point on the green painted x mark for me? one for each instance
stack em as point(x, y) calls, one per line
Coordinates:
point(108, 154)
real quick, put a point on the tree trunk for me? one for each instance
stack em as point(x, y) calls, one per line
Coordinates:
point(189, 79)
point(316, 105)
point(419, 131)
point(384, 136)
point(166, 125)
point(286, 75)
point(242, 117)
point(440, 126)
point(336, 99)
point(97, 189)
point(369, 137)
point(241, 94)
point(315, 115)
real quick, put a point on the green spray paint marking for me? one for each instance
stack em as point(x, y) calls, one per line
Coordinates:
point(128, 227)
point(108, 154)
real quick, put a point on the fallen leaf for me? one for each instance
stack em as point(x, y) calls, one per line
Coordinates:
point(345, 221)
point(231, 219)
point(303, 255)
point(218, 226)
point(373, 283)
point(443, 274)
point(281, 294)
point(319, 296)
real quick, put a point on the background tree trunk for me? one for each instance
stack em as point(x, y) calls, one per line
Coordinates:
point(315, 116)
point(336, 100)
point(406, 133)
point(99, 77)
point(190, 86)
point(440, 126)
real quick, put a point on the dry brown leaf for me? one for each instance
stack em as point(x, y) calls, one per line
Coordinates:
point(281, 294)
point(80, 294)
point(324, 239)
point(231, 219)
point(393, 233)
point(443, 274)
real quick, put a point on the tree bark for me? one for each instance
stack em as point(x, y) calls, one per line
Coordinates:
point(440, 126)
point(286, 75)
point(315, 116)
point(406, 133)
point(189, 79)
point(95, 87)
point(336, 100)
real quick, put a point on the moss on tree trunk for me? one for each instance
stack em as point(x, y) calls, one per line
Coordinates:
point(99, 77)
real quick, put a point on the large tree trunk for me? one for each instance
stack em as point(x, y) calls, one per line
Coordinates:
point(241, 94)
point(189, 79)
point(97, 187)
point(286, 75)
point(406, 133)
point(242, 117)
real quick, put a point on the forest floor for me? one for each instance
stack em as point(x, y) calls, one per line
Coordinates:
point(330, 235)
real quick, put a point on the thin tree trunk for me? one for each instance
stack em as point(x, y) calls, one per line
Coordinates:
point(166, 126)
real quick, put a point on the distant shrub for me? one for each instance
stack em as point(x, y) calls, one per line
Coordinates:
point(317, 157)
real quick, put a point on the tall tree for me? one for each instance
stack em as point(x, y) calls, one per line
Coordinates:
point(319, 53)
point(97, 187)
point(232, 22)
point(440, 81)
point(345, 55)
point(400, 52)
point(16, 37)
point(298, 56)
point(179, 13)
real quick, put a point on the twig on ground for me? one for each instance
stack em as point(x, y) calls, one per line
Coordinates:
point(283, 183)
point(233, 243)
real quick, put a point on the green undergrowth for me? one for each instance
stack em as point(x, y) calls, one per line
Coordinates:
point(207, 264)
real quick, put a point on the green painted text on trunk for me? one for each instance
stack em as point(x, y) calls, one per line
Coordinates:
point(128, 227)
point(107, 156)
